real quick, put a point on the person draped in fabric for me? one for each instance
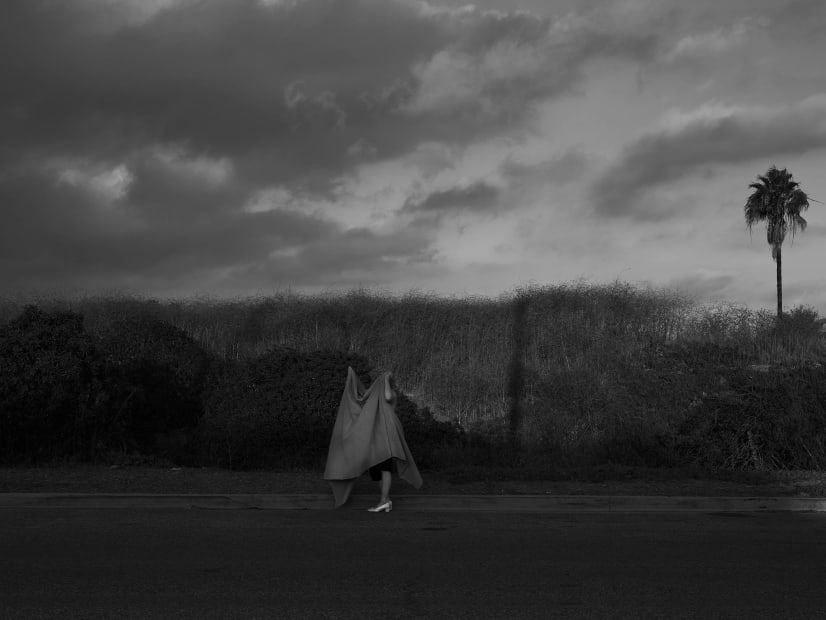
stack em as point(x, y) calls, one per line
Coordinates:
point(368, 436)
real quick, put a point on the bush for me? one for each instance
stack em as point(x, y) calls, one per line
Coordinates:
point(276, 410)
point(434, 443)
point(153, 382)
point(610, 375)
point(64, 394)
point(47, 386)
point(762, 421)
point(588, 417)
point(279, 410)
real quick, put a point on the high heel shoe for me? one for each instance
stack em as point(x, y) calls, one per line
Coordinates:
point(386, 507)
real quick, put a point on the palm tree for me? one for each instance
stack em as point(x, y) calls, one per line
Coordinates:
point(777, 200)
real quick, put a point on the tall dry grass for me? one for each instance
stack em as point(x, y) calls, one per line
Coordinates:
point(582, 342)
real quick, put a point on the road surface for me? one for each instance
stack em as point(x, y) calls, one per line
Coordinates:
point(197, 563)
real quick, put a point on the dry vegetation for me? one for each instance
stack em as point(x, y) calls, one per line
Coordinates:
point(609, 373)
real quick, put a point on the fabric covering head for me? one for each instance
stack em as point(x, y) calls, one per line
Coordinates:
point(366, 433)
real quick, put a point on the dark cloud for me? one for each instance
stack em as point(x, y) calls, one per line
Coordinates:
point(710, 136)
point(60, 234)
point(352, 257)
point(173, 187)
point(300, 83)
point(221, 78)
point(132, 138)
point(479, 197)
point(72, 231)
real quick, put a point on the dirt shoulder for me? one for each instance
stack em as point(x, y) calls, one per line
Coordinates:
point(165, 480)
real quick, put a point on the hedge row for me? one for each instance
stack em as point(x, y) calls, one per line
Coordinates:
point(144, 387)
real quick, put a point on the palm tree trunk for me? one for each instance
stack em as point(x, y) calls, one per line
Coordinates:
point(779, 287)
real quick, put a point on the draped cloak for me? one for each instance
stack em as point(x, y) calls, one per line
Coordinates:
point(366, 432)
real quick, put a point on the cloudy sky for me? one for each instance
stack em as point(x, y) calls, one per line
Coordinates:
point(237, 147)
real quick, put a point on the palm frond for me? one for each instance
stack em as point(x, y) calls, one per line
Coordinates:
point(776, 199)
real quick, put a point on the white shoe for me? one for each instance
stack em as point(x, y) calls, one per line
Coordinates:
point(386, 507)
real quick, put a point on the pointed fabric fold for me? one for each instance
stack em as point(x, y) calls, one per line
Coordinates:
point(366, 432)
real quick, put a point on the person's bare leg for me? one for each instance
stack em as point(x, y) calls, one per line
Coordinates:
point(386, 480)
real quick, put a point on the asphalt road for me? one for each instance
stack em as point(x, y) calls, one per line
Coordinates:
point(179, 563)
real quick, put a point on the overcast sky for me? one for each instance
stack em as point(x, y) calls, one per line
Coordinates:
point(237, 147)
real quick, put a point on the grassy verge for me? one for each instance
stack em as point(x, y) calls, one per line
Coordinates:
point(627, 481)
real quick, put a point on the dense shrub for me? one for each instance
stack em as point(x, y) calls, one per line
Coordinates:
point(759, 420)
point(153, 378)
point(279, 410)
point(434, 443)
point(275, 410)
point(609, 375)
point(582, 418)
point(47, 386)
point(67, 394)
